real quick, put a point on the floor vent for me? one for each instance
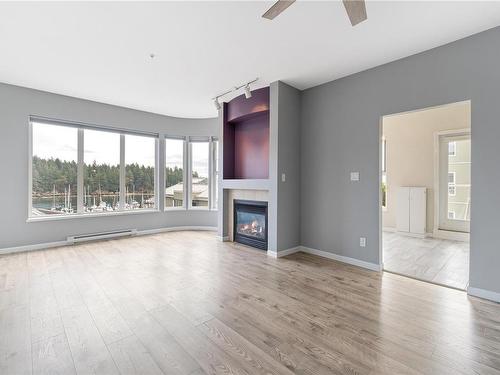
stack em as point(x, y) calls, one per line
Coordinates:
point(101, 236)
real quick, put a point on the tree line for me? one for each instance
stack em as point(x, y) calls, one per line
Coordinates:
point(48, 173)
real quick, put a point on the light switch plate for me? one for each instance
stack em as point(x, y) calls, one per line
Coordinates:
point(354, 176)
point(362, 241)
point(283, 177)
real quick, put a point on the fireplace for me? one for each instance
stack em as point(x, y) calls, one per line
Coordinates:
point(250, 223)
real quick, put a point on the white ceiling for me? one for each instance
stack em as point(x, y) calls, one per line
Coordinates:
point(100, 51)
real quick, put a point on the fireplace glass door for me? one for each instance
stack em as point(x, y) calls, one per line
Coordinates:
point(250, 223)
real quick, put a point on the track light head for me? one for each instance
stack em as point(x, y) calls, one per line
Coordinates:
point(248, 93)
point(217, 104)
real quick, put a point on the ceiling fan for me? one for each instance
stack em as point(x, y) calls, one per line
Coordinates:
point(356, 10)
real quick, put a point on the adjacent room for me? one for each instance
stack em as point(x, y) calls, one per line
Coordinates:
point(426, 185)
point(249, 187)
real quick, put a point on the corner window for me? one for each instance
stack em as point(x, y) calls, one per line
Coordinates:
point(215, 174)
point(174, 173)
point(199, 174)
point(203, 165)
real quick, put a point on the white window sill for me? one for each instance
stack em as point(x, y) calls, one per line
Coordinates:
point(198, 208)
point(178, 208)
point(36, 219)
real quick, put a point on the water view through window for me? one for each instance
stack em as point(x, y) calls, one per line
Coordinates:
point(140, 172)
point(101, 179)
point(54, 170)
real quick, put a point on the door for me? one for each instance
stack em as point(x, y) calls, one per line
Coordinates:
point(454, 182)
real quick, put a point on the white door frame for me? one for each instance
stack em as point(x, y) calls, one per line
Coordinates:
point(437, 232)
point(456, 236)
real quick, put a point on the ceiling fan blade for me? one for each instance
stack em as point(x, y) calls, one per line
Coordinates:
point(277, 8)
point(356, 10)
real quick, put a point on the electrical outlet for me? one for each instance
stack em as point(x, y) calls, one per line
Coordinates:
point(354, 176)
point(362, 241)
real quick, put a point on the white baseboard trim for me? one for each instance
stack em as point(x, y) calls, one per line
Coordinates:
point(40, 246)
point(223, 238)
point(48, 245)
point(483, 293)
point(284, 253)
point(343, 259)
point(389, 229)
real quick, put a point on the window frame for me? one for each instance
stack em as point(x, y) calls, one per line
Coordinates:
point(184, 172)
point(214, 173)
point(80, 168)
point(211, 181)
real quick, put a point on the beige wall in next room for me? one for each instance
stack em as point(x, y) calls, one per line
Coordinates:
point(410, 151)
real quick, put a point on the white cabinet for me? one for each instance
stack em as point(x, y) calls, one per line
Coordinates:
point(411, 210)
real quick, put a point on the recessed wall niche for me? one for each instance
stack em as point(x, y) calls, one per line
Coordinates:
point(246, 136)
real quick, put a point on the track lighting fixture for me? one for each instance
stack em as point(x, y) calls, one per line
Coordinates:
point(248, 93)
point(246, 86)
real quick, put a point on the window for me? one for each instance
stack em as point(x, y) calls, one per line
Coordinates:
point(79, 169)
point(452, 190)
point(452, 148)
point(174, 173)
point(451, 215)
point(215, 174)
point(451, 177)
point(54, 170)
point(452, 187)
point(384, 173)
point(140, 160)
point(101, 178)
point(199, 173)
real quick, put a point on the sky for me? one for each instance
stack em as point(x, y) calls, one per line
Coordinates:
point(53, 141)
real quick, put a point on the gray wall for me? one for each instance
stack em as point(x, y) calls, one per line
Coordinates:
point(16, 104)
point(288, 223)
point(340, 133)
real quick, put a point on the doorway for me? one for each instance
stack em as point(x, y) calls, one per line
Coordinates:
point(425, 193)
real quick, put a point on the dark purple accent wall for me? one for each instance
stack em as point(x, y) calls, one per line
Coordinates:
point(246, 136)
point(251, 151)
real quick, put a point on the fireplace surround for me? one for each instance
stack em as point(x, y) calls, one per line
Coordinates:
point(250, 223)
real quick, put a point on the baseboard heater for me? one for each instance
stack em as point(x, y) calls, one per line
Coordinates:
point(101, 235)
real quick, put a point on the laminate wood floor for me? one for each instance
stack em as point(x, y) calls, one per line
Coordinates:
point(184, 303)
point(439, 261)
